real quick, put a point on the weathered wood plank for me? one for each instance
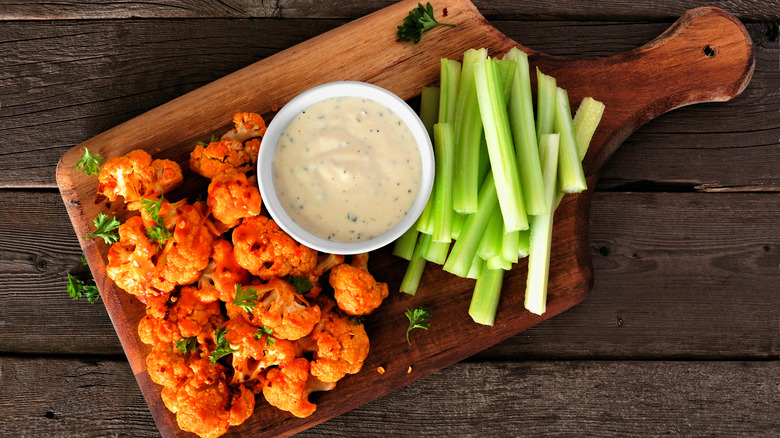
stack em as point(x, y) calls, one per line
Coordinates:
point(81, 78)
point(58, 397)
point(749, 10)
point(699, 283)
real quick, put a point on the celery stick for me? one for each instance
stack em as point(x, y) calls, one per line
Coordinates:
point(510, 246)
point(506, 72)
point(498, 262)
point(468, 133)
point(484, 301)
point(404, 246)
point(436, 252)
point(546, 87)
point(465, 248)
point(523, 245)
point(570, 175)
point(450, 78)
point(477, 266)
point(541, 231)
point(521, 120)
point(457, 224)
point(444, 148)
point(586, 119)
point(490, 243)
point(429, 114)
point(501, 152)
point(414, 271)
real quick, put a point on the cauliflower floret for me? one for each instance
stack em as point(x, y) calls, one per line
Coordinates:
point(222, 155)
point(248, 125)
point(280, 308)
point(135, 176)
point(326, 263)
point(181, 315)
point(166, 366)
point(263, 249)
point(288, 387)
point(355, 290)
point(187, 253)
point(340, 344)
point(222, 274)
point(255, 351)
point(131, 262)
point(232, 198)
point(167, 212)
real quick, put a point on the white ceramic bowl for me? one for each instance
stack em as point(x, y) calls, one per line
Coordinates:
point(306, 99)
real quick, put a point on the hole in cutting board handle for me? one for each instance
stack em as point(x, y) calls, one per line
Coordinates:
point(709, 51)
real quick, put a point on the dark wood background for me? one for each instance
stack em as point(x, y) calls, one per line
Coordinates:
point(680, 335)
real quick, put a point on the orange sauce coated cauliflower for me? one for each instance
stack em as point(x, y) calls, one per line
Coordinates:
point(254, 354)
point(355, 290)
point(135, 176)
point(248, 125)
point(223, 155)
point(187, 253)
point(232, 198)
point(288, 387)
point(131, 262)
point(179, 315)
point(263, 249)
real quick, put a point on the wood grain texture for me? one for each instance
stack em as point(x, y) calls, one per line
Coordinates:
point(642, 306)
point(749, 10)
point(75, 398)
point(81, 78)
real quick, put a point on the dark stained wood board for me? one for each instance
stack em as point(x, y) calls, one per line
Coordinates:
point(688, 76)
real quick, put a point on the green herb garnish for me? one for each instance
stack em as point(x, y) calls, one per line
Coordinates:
point(77, 289)
point(245, 298)
point(104, 228)
point(214, 138)
point(301, 284)
point(223, 346)
point(418, 318)
point(187, 344)
point(90, 163)
point(419, 21)
point(268, 333)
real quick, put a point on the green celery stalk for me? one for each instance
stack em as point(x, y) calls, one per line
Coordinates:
point(468, 133)
point(465, 248)
point(586, 119)
point(546, 88)
point(444, 148)
point(506, 72)
point(541, 231)
point(429, 114)
point(484, 301)
point(510, 246)
point(404, 246)
point(449, 82)
point(521, 121)
point(477, 266)
point(490, 243)
point(523, 244)
point(457, 224)
point(503, 161)
point(414, 270)
point(436, 252)
point(570, 175)
point(498, 262)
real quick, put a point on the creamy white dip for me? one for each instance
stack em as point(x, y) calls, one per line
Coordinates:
point(346, 169)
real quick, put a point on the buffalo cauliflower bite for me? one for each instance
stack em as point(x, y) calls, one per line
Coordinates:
point(263, 249)
point(179, 315)
point(288, 387)
point(168, 213)
point(220, 156)
point(255, 352)
point(232, 198)
point(248, 125)
point(340, 344)
point(135, 176)
point(279, 308)
point(325, 263)
point(165, 365)
point(355, 290)
point(187, 253)
point(222, 274)
point(131, 262)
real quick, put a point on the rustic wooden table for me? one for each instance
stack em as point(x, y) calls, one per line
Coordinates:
point(680, 334)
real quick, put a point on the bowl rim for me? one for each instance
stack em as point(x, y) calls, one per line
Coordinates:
point(343, 89)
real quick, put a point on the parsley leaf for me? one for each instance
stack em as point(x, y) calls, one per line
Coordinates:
point(355, 320)
point(77, 289)
point(104, 227)
point(419, 21)
point(158, 233)
point(152, 207)
point(268, 333)
point(187, 344)
point(223, 346)
point(301, 284)
point(245, 298)
point(214, 138)
point(418, 318)
point(90, 163)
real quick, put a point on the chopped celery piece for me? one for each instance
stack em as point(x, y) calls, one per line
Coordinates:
point(586, 119)
point(503, 161)
point(498, 262)
point(465, 248)
point(414, 271)
point(429, 114)
point(477, 266)
point(523, 244)
point(541, 231)
point(444, 148)
point(490, 244)
point(546, 87)
point(484, 301)
point(510, 246)
point(404, 246)
point(468, 134)
point(506, 72)
point(450, 78)
point(571, 178)
point(457, 224)
point(436, 252)
point(521, 121)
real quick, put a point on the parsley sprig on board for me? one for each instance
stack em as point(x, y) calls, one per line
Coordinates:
point(90, 163)
point(158, 232)
point(418, 318)
point(245, 298)
point(223, 346)
point(419, 21)
point(78, 288)
point(104, 228)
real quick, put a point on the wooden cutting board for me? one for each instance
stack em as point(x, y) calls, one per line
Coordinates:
point(705, 56)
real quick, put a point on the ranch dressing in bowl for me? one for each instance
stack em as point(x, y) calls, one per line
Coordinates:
point(346, 169)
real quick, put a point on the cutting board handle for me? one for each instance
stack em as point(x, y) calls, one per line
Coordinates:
point(706, 56)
